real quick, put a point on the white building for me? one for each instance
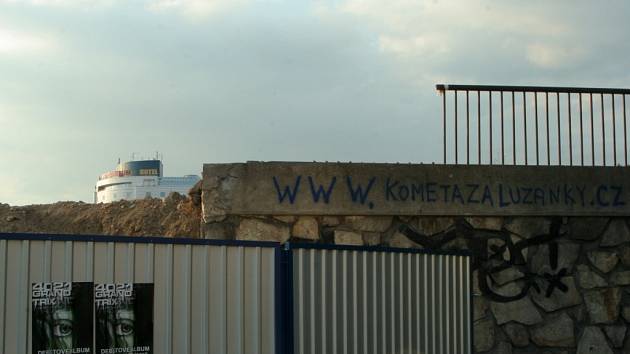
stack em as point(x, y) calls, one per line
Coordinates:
point(138, 180)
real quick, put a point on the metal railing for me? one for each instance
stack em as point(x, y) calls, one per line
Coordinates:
point(531, 125)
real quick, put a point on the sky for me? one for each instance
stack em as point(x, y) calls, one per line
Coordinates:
point(85, 82)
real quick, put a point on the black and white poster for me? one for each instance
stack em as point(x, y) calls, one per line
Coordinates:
point(62, 317)
point(124, 318)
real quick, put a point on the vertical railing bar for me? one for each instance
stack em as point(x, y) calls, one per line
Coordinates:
point(581, 133)
point(513, 131)
point(590, 102)
point(444, 122)
point(570, 129)
point(625, 132)
point(612, 96)
point(455, 119)
point(536, 126)
point(547, 122)
point(490, 122)
point(559, 129)
point(525, 125)
point(467, 129)
point(478, 127)
point(603, 131)
point(502, 134)
point(592, 130)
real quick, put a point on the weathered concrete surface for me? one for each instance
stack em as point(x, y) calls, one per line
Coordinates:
point(296, 188)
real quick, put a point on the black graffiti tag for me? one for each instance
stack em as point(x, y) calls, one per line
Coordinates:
point(488, 257)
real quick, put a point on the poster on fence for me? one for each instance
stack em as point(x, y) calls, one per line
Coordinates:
point(62, 317)
point(124, 318)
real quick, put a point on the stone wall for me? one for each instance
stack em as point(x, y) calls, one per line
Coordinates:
point(548, 283)
point(551, 285)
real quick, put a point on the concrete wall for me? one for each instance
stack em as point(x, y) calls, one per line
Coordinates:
point(543, 281)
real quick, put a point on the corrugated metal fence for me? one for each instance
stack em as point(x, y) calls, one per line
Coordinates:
point(235, 297)
point(209, 297)
point(356, 300)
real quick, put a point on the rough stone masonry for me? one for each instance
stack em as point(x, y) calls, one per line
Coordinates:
point(551, 245)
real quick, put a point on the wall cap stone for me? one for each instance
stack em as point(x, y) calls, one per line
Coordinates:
point(304, 188)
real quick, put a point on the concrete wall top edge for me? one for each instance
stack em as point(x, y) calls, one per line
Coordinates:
point(312, 188)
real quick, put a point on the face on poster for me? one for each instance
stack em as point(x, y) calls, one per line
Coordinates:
point(124, 318)
point(62, 320)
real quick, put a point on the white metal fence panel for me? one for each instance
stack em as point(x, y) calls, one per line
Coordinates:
point(352, 301)
point(208, 298)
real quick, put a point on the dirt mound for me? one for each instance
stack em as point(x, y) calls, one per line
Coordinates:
point(175, 216)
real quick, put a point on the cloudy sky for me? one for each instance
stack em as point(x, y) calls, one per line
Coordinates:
point(84, 82)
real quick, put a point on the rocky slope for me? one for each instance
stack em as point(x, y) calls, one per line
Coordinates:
point(176, 216)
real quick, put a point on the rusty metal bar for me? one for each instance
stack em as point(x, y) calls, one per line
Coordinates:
point(559, 129)
point(570, 130)
point(536, 125)
point(581, 133)
point(625, 132)
point(455, 119)
point(564, 134)
point(592, 131)
point(614, 130)
point(502, 135)
point(513, 131)
point(547, 120)
point(525, 124)
point(497, 88)
point(467, 130)
point(603, 131)
point(479, 127)
point(490, 122)
point(444, 122)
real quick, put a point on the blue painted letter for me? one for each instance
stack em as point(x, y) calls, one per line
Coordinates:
point(358, 194)
point(320, 192)
point(287, 192)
